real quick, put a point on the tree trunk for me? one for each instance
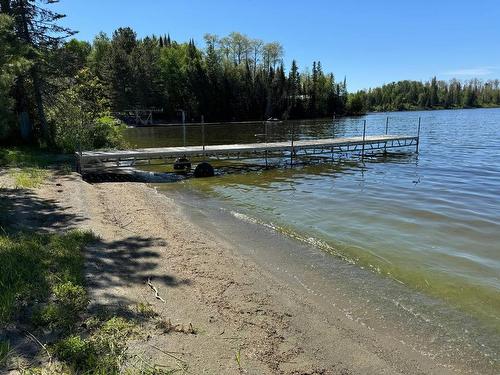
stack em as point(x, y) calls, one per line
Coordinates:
point(36, 79)
point(39, 106)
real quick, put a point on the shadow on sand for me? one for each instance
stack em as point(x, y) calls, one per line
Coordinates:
point(109, 265)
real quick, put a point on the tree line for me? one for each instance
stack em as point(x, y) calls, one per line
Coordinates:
point(433, 94)
point(230, 78)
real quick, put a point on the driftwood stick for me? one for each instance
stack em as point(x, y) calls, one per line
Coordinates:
point(157, 295)
point(168, 353)
point(33, 338)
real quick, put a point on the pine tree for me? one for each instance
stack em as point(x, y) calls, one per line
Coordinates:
point(12, 64)
point(433, 94)
point(293, 83)
point(37, 28)
point(119, 72)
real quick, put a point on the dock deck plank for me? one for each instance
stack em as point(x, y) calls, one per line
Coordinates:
point(237, 148)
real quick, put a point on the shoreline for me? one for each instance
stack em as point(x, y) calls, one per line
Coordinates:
point(177, 124)
point(248, 318)
point(328, 245)
point(374, 300)
point(239, 293)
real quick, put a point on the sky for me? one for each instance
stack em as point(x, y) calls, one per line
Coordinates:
point(371, 42)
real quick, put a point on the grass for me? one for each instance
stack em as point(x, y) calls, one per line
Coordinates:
point(25, 157)
point(30, 165)
point(32, 267)
point(5, 351)
point(42, 285)
point(28, 178)
point(237, 358)
point(104, 351)
point(100, 353)
point(41, 282)
point(146, 310)
point(69, 301)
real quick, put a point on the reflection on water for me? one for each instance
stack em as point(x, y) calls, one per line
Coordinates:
point(430, 221)
point(214, 134)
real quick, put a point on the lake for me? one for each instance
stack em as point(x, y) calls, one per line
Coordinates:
point(430, 221)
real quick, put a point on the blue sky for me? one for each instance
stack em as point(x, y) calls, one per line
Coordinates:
point(370, 42)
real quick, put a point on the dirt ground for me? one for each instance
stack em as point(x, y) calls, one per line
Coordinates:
point(244, 319)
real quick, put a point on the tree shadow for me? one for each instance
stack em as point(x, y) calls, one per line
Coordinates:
point(109, 265)
point(124, 263)
point(22, 211)
point(119, 263)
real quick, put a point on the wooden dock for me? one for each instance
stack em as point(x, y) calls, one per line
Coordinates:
point(95, 161)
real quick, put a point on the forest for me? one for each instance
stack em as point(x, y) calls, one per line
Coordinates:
point(434, 94)
point(232, 78)
point(66, 93)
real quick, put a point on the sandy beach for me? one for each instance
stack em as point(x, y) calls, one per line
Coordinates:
point(234, 315)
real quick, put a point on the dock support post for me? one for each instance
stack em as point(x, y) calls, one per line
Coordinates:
point(364, 135)
point(418, 133)
point(203, 137)
point(78, 163)
point(333, 133)
point(265, 139)
point(291, 148)
point(184, 128)
point(386, 132)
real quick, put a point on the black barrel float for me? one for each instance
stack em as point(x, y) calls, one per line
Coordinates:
point(182, 164)
point(204, 170)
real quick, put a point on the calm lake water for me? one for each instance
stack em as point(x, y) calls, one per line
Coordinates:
point(430, 221)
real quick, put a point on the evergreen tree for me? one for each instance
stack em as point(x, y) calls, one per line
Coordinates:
point(119, 71)
point(12, 64)
point(37, 28)
point(293, 88)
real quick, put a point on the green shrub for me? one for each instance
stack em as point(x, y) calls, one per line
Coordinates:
point(104, 132)
point(101, 353)
point(76, 352)
point(70, 301)
point(80, 119)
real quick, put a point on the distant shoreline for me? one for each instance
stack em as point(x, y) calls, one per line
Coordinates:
point(168, 124)
point(433, 109)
